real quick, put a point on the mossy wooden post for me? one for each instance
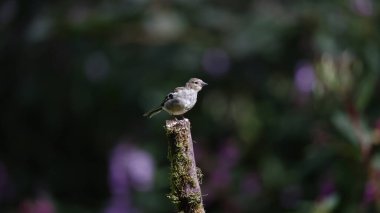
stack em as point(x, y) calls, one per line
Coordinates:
point(185, 190)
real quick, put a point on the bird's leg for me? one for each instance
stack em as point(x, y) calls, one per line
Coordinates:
point(179, 117)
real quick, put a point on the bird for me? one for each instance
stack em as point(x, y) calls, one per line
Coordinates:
point(181, 100)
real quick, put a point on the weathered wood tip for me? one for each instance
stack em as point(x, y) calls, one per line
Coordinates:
point(170, 124)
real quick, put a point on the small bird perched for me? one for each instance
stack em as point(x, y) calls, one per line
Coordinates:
point(181, 100)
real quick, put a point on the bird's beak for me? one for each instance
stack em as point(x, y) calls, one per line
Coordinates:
point(204, 84)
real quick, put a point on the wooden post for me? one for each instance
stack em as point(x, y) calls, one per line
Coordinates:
point(184, 175)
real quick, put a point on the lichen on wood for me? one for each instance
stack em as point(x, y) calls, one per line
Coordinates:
point(184, 175)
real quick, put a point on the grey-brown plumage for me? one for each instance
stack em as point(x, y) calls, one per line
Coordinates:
point(181, 100)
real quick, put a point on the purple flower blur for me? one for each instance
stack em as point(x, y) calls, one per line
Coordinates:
point(118, 176)
point(7, 11)
point(228, 155)
point(369, 193)
point(130, 167)
point(5, 187)
point(251, 185)
point(42, 204)
point(120, 204)
point(304, 78)
point(216, 62)
point(327, 188)
point(363, 7)
point(140, 167)
point(220, 177)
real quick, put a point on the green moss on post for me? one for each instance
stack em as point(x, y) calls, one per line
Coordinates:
point(185, 190)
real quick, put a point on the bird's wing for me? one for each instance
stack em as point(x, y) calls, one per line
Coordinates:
point(172, 95)
point(167, 98)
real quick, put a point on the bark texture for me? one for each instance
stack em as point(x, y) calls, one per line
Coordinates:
point(185, 177)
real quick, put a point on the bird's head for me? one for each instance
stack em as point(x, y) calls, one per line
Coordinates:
point(195, 84)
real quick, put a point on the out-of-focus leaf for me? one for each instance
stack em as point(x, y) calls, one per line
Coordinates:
point(343, 124)
point(327, 205)
point(273, 172)
point(355, 134)
point(365, 91)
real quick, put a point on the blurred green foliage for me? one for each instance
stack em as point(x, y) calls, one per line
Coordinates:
point(290, 121)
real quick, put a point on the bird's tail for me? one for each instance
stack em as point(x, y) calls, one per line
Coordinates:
point(153, 112)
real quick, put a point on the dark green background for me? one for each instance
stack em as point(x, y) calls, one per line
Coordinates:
point(291, 107)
